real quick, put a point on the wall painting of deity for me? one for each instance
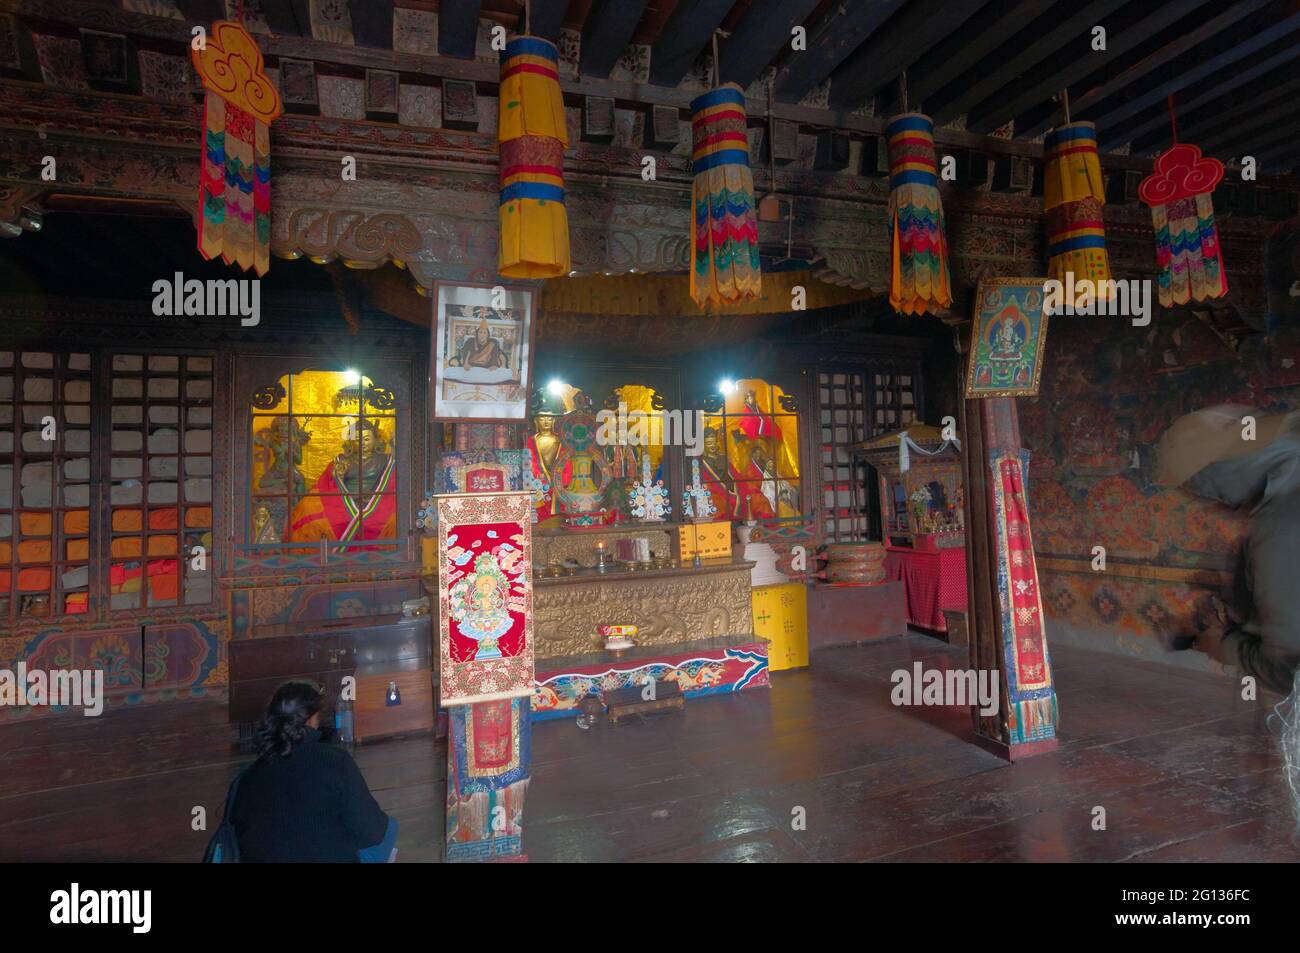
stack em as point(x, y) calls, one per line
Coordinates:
point(485, 594)
point(1010, 328)
point(482, 352)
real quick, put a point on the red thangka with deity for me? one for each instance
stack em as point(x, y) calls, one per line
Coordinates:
point(485, 597)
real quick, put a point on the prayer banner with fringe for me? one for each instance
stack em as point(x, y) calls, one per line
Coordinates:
point(235, 187)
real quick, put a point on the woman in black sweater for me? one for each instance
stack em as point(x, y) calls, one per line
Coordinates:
point(304, 800)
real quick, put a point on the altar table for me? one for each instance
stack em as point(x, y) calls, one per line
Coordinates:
point(932, 581)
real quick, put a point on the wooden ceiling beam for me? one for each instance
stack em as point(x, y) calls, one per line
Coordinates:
point(686, 34)
point(831, 41)
point(1216, 93)
point(898, 44)
point(547, 17)
point(606, 34)
point(287, 17)
point(967, 48)
point(372, 24)
point(1181, 79)
point(203, 12)
point(1195, 127)
point(458, 28)
point(763, 31)
point(1132, 27)
point(1037, 42)
point(1253, 129)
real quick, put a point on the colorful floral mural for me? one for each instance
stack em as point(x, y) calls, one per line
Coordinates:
point(1108, 392)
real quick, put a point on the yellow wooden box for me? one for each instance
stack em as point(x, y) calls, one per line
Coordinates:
point(710, 540)
point(781, 617)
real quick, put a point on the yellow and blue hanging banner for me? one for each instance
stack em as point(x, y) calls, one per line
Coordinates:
point(725, 263)
point(1073, 196)
point(533, 223)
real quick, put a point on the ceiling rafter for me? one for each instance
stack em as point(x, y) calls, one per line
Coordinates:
point(831, 41)
point(1216, 88)
point(1035, 88)
point(606, 34)
point(686, 34)
point(1182, 79)
point(897, 45)
point(458, 28)
point(1035, 43)
point(764, 30)
point(1194, 127)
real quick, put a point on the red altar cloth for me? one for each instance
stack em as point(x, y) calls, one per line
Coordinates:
point(932, 581)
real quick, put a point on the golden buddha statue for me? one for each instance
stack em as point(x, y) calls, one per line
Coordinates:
point(543, 448)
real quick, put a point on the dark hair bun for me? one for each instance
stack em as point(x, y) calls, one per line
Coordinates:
point(292, 706)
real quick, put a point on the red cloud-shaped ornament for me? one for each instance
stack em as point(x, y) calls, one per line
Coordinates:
point(1180, 172)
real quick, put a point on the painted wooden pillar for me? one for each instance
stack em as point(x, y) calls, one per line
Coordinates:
point(489, 747)
point(1006, 611)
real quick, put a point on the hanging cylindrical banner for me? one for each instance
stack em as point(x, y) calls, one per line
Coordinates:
point(725, 263)
point(1182, 213)
point(533, 236)
point(918, 278)
point(1073, 196)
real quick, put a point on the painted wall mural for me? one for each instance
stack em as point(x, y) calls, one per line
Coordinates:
point(1107, 396)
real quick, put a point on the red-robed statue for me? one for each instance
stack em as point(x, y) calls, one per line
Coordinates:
point(357, 494)
point(736, 494)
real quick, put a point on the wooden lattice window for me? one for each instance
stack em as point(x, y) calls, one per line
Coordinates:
point(45, 507)
point(160, 488)
point(895, 401)
point(843, 401)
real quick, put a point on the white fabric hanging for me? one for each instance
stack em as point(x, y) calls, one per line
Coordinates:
point(905, 442)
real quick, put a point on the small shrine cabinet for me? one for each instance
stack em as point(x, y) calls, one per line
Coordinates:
point(922, 519)
point(921, 492)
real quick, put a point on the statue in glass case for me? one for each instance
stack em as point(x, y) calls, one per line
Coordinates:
point(356, 494)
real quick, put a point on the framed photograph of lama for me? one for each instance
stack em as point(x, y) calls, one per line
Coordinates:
point(482, 352)
point(1009, 328)
point(485, 596)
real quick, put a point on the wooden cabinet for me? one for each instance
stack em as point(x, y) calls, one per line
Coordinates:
point(376, 650)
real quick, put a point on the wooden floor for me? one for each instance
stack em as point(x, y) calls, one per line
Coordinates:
point(1184, 768)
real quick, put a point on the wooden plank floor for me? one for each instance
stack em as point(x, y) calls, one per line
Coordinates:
point(1185, 769)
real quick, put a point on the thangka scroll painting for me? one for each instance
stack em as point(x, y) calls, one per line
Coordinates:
point(485, 595)
point(235, 182)
point(1009, 331)
point(487, 780)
